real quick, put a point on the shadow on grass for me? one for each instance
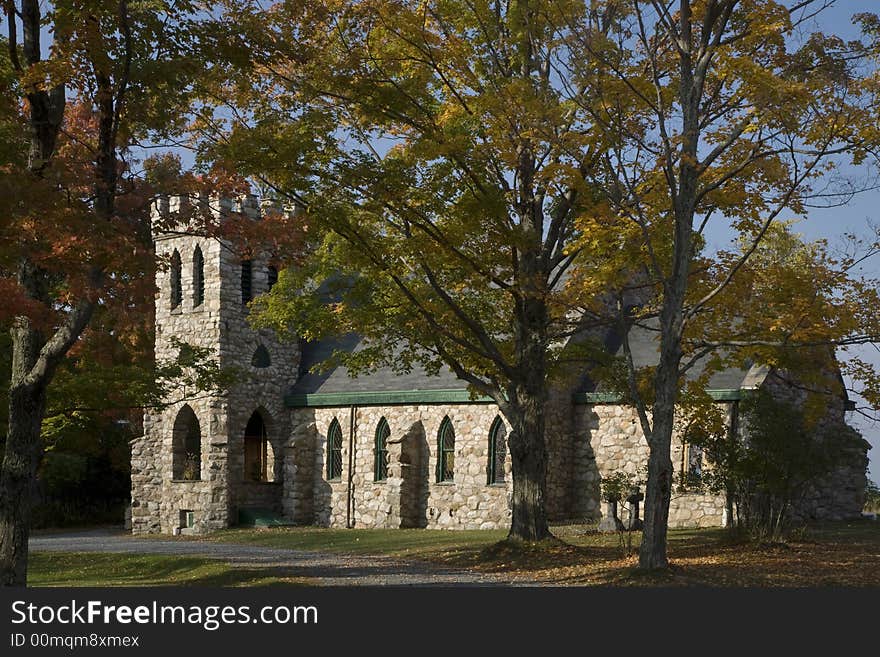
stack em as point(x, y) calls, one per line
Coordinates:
point(89, 569)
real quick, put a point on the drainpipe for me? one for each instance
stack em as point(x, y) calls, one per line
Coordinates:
point(349, 491)
point(733, 435)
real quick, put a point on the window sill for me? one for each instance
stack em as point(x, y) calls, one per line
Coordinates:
point(498, 484)
point(186, 481)
point(444, 483)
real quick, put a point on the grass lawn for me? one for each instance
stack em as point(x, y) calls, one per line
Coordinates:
point(834, 554)
point(90, 569)
point(405, 543)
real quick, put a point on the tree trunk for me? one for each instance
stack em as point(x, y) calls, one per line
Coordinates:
point(27, 401)
point(528, 453)
point(658, 493)
point(652, 553)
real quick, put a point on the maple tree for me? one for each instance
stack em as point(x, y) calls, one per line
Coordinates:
point(485, 180)
point(72, 209)
point(731, 112)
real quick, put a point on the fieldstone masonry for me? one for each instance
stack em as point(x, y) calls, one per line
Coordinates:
point(585, 441)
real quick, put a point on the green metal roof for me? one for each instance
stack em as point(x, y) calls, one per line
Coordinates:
point(448, 396)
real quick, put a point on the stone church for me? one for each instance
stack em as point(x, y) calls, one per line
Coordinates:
point(287, 445)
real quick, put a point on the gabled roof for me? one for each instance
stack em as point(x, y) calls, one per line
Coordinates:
point(335, 387)
point(644, 344)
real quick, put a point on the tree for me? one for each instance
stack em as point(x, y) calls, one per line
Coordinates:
point(474, 171)
point(112, 71)
point(716, 111)
point(442, 168)
point(769, 470)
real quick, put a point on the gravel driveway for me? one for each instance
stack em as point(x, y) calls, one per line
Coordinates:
point(319, 568)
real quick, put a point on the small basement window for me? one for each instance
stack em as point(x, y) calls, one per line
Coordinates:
point(187, 519)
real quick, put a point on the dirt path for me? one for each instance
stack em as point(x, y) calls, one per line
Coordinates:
point(317, 568)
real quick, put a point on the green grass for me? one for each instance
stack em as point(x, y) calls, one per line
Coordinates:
point(411, 543)
point(89, 569)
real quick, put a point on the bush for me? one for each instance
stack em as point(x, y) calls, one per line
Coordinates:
point(616, 487)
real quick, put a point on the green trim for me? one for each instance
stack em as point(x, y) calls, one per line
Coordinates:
point(450, 396)
point(723, 394)
point(368, 398)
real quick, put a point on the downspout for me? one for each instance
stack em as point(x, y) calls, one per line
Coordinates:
point(732, 436)
point(349, 488)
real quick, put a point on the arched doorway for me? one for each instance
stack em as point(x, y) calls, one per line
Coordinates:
point(259, 457)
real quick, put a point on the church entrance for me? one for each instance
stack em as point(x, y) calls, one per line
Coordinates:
point(259, 459)
point(259, 493)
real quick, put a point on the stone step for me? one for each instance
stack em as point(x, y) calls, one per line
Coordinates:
point(260, 517)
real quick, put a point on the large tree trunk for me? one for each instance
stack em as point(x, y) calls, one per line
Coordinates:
point(528, 453)
point(526, 412)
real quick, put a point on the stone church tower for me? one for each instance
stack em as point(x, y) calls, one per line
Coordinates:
point(205, 459)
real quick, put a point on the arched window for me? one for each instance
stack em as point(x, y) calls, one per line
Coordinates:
point(259, 459)
point(261, 357)
point(694, 461)
point(176, 281)
point(446, 451)
point(246, 284)
point(334, 451)
point(271, 276)
point(186, 446)
point(497, 452)
point(380, 461)
point(198, 278)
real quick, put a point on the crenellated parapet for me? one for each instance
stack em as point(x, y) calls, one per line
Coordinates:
point(194, 211)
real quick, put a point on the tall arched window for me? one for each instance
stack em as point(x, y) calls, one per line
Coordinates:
point(176, 281)
point(446, 451)
point(259, 459)
point(246, 284)
point(198, 278)
point(497, 452)
point(186, 446)
point(271, 276)
point(380, 461)
point(334, 451)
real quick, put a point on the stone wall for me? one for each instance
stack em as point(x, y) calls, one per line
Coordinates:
point(411, 496)
point(841, 494)
point(563, 476)
point(609, 439)
point(157, 497)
